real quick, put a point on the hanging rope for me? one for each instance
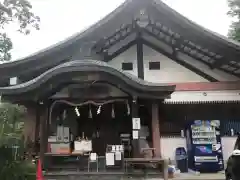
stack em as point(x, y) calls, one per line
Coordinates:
point(82, 104)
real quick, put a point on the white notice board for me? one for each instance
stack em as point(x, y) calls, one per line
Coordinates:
point(110, 159)
point(135, 134)
point(136, 123)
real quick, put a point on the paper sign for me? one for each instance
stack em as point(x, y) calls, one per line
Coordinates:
point(110, 159)
point(118, 156)
point(84, 146)
point(93, 157)
point(135, 134)
point(136, 124)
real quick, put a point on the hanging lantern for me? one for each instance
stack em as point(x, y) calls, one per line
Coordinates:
point(90, 112)
point(113, 112)
point(128, 109)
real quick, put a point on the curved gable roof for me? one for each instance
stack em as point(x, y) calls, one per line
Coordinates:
point(138, 85)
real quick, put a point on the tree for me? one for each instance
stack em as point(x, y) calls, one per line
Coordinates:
point(19, 12)
point(234, 32)
point(12, 164)
point(11, 124)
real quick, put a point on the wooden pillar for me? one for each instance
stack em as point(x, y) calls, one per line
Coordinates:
point(140, 63)
point(135, 142)
point(156, 129)
point(37, 125)
point(43, 131)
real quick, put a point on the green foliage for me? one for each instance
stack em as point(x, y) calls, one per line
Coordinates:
point(18, 12)
point(11, 124)
point(234, 32)
point(12, 165)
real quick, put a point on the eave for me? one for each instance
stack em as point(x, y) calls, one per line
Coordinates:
point(196, 27)
point(216, 43)
point(85, 71)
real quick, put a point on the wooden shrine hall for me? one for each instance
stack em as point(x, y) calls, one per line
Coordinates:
point(143, 61)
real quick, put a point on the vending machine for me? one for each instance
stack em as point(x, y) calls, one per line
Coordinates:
point(204, 147)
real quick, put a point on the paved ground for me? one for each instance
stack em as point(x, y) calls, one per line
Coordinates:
point(218, 176)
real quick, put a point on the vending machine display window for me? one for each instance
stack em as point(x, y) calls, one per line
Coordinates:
point(204, 145)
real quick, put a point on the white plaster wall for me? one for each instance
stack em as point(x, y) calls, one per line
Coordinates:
point(128, 56)
point(228, 145)
point(169, 144)
point(170, 71)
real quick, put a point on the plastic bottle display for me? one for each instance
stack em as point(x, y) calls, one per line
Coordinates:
point(204, 145)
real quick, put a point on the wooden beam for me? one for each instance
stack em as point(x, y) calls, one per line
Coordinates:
point(140, 63)
point(37, 125)
point(118, 36)
point(190, 44)
point(223, 61)
point(182, 63)
point(43, 133)
point(117, 40)
point(172, 45)
point(135, 142)
point(217, 64)
point(120, 51)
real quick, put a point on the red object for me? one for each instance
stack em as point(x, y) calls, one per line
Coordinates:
point(39, 175)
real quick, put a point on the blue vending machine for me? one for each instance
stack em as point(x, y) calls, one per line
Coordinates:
point(204, 147)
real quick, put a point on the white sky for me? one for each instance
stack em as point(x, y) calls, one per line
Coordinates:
point(62, 18)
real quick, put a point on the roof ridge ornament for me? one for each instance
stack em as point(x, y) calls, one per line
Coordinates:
point(142, 19)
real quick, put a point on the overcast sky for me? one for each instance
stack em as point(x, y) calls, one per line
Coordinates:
point(62, 18)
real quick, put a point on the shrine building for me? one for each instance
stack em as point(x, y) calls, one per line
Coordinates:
point(142, 61)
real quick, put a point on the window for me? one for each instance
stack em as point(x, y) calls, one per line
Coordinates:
point(127, 66)
point(154, 65)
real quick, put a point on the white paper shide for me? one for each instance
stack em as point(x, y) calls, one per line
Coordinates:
point(136, 123)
